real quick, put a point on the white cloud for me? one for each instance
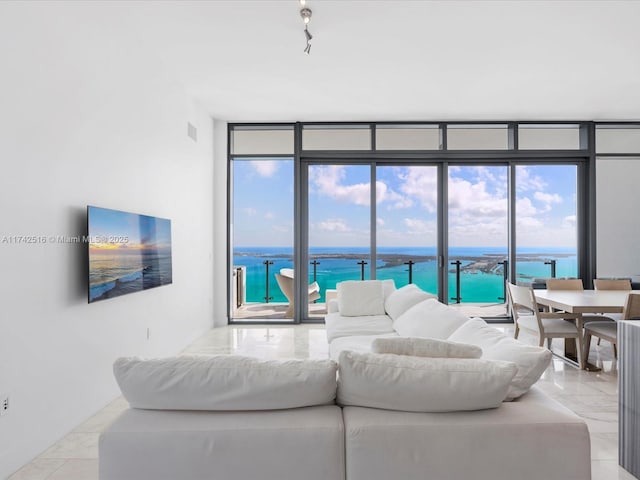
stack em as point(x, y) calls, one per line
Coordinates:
point(249, 211)
point(525, 208)
point(420, 183)
point(265, 168)
point(333, 225)
point(418, 226)
point(527, 181)
point(547, 198)
point(528, 222)
point(380, 221)
point(472, 201)
point(569, 221)
point(269, 216)
point(328, 180)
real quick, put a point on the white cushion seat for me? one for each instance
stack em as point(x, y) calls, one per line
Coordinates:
point(532, 438)
point(551, 325)
point(305, 443)
point(607, 329)
point(339, 326)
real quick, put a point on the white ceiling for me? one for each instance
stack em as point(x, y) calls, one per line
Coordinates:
point(400, 60)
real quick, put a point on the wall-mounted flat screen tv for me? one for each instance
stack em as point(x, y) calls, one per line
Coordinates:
point(127, 252)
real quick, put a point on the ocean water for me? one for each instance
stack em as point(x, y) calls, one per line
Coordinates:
point(112, 275)
point(481, 277)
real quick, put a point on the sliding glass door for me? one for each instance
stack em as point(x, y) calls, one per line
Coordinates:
point(262, 239)
point(339, 234)
point(478, 214)
point(400, 232)
point(546, 222)
point(407, 225)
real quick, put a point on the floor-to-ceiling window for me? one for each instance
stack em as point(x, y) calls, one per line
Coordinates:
point(262, 236)
point(339, 206)
point(546, 222)
point(454, 208)
point(478, 228)
point(407, 225)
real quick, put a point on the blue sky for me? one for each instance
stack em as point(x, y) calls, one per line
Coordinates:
point(339, 205)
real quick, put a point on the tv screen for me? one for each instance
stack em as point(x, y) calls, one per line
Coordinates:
point(127, 252)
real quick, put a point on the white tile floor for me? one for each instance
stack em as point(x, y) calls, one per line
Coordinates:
point(592, 395)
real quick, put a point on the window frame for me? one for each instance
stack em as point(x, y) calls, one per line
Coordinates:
point(583, 157)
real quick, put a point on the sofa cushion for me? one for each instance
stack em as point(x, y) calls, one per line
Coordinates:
point(339, 326)
point(360, 298)
point(299, 443)
point(532, 361)
point(429, 319)
point(402, 299)
point(532, 438)
point(225, 382)
point(355, 343)
point(417, 384)
point(425, 347)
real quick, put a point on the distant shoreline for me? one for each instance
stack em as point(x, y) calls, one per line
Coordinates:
point(486, 263)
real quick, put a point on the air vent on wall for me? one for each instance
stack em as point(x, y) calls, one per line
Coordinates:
point(192, 131)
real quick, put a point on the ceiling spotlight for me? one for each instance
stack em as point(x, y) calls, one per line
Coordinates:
point(305, 13)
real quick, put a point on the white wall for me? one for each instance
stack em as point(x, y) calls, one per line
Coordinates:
point(87, 117)
point(618, 220)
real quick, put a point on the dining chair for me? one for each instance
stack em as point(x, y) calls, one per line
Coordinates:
point(603, 330)
point(564, 284)
point(609, 330)
point(632, 307)
point(612, 284)
point(547, 325)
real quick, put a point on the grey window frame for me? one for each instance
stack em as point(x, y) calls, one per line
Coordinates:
point(584, 158)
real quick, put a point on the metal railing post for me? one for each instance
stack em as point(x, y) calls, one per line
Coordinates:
point(410, 263)
point(362, 263)
point(266, 275)
point(553, 267)
point(505, 275)
point(315, 264)
point(457, 298)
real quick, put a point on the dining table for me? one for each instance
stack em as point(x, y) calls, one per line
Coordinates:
point(582, 303)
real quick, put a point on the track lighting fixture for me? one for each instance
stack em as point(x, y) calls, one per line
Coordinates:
point(305, 13)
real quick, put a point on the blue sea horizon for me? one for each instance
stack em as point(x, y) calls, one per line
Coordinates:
point(481, 276)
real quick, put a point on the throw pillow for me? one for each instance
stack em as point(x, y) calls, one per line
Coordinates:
point(225, 382)
point(532, 361)
point(403, 299)
point(360, 297)
point(415, 384)
point(425, 347)
point(429, 319)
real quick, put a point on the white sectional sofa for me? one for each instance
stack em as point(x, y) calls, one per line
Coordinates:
point(529, 435)
point(413, 414)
